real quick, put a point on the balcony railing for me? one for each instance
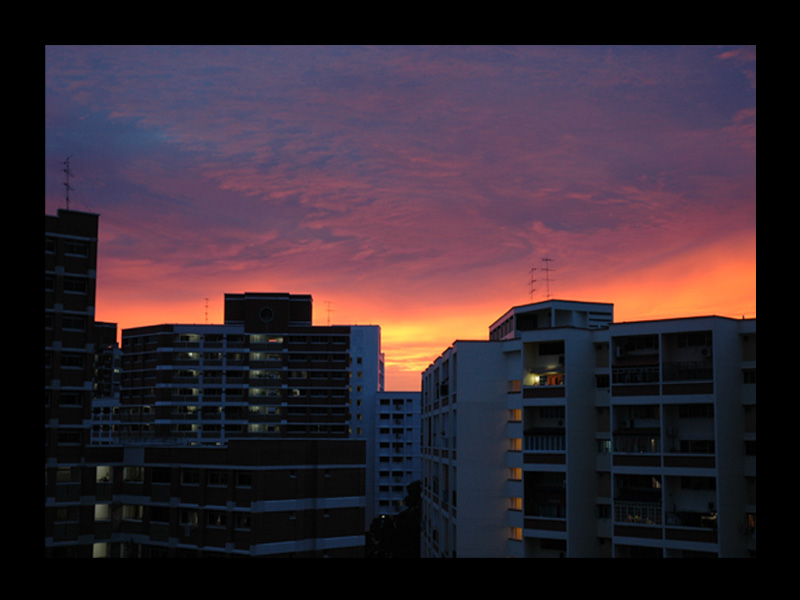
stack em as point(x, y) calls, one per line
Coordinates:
point(545, 443)
point(634, 375)
point(669, 372)
point(706, 520)
point(645, 513)
point(688, 371)
point(535, 379)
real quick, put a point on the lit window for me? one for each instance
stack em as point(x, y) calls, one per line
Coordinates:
point(132, 512)
point(104, 474)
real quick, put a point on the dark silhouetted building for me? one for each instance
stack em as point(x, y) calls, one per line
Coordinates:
point(80, 366)
point(207, 440)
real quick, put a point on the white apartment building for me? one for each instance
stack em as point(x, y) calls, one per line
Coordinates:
point(387, 421)
point(568, 435)
point(397, 450)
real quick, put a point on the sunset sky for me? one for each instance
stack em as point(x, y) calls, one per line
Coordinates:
point(411, 187)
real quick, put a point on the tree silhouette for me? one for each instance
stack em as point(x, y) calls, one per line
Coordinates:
point(397, 536)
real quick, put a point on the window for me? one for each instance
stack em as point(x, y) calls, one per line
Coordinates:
point(76, 248)
point(242, 520)
point(159, 514)
point(70, 399)
point(190, 477)
point(72, 361)
point(694, 338)
point(216, 518)
point(67, 514)
point(105, 474)
point(67, 475)
point(132, 512)
point(133, 474)
point(189, 517)
point(217, 478)
point(161, 475)
point(74, 286)
point(74, 323)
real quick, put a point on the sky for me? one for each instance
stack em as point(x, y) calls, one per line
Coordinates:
point(418, 188)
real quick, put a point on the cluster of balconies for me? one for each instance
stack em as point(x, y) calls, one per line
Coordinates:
point(665, 437)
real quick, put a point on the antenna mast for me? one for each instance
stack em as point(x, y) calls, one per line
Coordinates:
point(330, 310)
point(530, 284)
point(69, 174)
point(547, 270)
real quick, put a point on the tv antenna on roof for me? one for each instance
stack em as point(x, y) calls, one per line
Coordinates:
point(330, 310)
point(530, 284)
point(69, 174)
point(547, 270)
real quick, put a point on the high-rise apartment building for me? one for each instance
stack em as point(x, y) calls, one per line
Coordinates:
point(246, 426)
point(396, 450)
point(267, 372)
point(566, 434)
point(79, 367)
point(70, 279)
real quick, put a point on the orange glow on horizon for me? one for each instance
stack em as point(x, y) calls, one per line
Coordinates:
point(719, 280)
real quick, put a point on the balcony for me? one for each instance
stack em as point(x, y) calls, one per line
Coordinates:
point(641, 513)
point(637, 441)
point(544, 378)
point(681, 377)
point(688, 371)
point(545, 384)
point(705, 520)
point(635, 375)
point(541, 441)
